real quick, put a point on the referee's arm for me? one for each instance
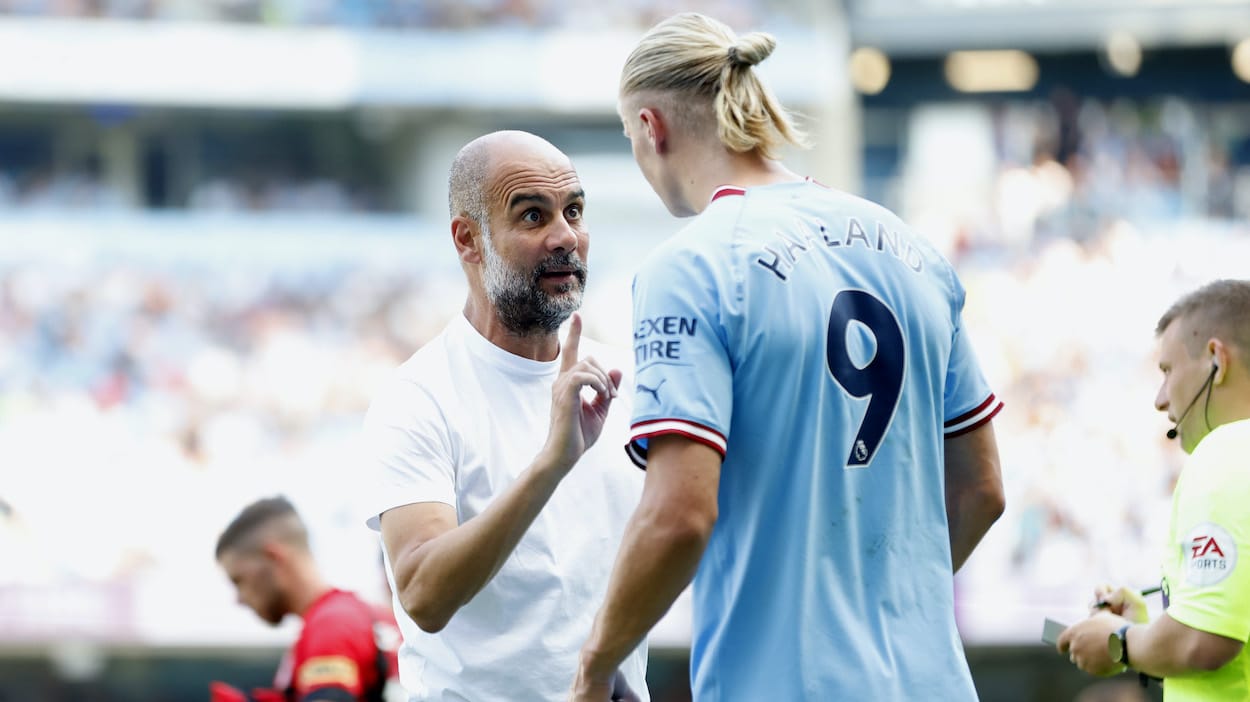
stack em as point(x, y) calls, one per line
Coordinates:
point(1165, 648)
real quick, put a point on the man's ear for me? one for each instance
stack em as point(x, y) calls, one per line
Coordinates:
point(654, 128)
point(465, 235)
point(1220, 358)
point(273, 551)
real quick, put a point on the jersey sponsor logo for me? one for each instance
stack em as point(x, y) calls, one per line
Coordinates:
point(666, 326)
point(655, 391)
point(781, 257)
point(653, 338)
point(1210, 555)
point(328, 670)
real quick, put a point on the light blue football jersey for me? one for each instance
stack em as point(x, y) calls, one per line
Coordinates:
point(815, 342)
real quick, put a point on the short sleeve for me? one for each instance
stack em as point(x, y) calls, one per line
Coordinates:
point(408, 447)
point(1212, 593)
point(683, 382)
point(968, 402)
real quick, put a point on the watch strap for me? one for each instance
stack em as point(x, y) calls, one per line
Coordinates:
point(1122, 635)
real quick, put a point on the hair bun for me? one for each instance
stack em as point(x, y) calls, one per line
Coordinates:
point(751, 49)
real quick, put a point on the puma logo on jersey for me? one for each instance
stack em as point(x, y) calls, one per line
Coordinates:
point(655, 391)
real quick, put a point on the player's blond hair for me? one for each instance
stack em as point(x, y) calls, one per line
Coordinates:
point(699, 61)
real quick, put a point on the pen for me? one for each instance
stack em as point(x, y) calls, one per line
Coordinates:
point(1144, 593)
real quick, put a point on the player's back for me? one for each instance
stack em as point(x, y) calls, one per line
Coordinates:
point(828, 575)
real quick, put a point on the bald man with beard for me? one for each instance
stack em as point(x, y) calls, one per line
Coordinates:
point(499, 487)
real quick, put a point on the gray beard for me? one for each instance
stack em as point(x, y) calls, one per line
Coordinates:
point(524, 308)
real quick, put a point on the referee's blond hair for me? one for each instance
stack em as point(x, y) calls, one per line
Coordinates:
point(695, 63)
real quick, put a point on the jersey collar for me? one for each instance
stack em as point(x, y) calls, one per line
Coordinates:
point(726, 191)
point(731, 190)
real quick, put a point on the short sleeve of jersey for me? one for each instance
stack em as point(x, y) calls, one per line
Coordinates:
point(968, 402)
point(332, 655)
point(1212, 524)
point(683, 382)
point(409, 450)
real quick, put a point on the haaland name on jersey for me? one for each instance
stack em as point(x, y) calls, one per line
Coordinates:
point(815, 233)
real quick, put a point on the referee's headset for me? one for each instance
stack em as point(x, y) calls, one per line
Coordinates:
point(1206, 386)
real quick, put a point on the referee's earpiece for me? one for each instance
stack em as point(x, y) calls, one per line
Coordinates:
point(1206, 388)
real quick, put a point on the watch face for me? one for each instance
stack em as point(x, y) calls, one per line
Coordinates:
point(1115, 648)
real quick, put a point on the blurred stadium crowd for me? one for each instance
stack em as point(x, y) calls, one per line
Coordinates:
point(1113, 159)
point(52, 189)
point(144, 394)
point(390, 14)
point(1100, 161)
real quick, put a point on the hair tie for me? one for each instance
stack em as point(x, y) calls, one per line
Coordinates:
point(733, 56)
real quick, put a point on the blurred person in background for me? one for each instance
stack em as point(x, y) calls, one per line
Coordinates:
point(502, 490)
point(815, 427)
point(346, 651)
point(1198, 644)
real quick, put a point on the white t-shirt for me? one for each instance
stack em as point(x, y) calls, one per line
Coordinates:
point(457, 423)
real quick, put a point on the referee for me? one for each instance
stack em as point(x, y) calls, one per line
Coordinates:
point(1198, 645)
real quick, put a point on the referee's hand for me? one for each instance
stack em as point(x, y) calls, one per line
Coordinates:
point(577, 420)
point(1126, 602)
point(1085, 644)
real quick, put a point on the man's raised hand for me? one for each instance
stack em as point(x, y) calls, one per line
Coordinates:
point(576, 420)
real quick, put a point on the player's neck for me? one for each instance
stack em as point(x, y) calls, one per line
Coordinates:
point(305, 603)
point(738, 170)
point(307, 588)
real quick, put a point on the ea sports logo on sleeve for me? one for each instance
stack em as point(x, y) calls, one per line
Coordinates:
point(1210, 554)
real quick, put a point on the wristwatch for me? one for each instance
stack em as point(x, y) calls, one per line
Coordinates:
point(1117, 650)
point(1117, 645)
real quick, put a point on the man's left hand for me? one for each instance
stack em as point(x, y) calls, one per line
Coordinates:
point(1086, 643)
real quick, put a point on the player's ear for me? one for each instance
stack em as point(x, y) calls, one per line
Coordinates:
point(466, 235)
point(273, 551)
point(654, 128)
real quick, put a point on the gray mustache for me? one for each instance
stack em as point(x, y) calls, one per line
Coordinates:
point(564, 260)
